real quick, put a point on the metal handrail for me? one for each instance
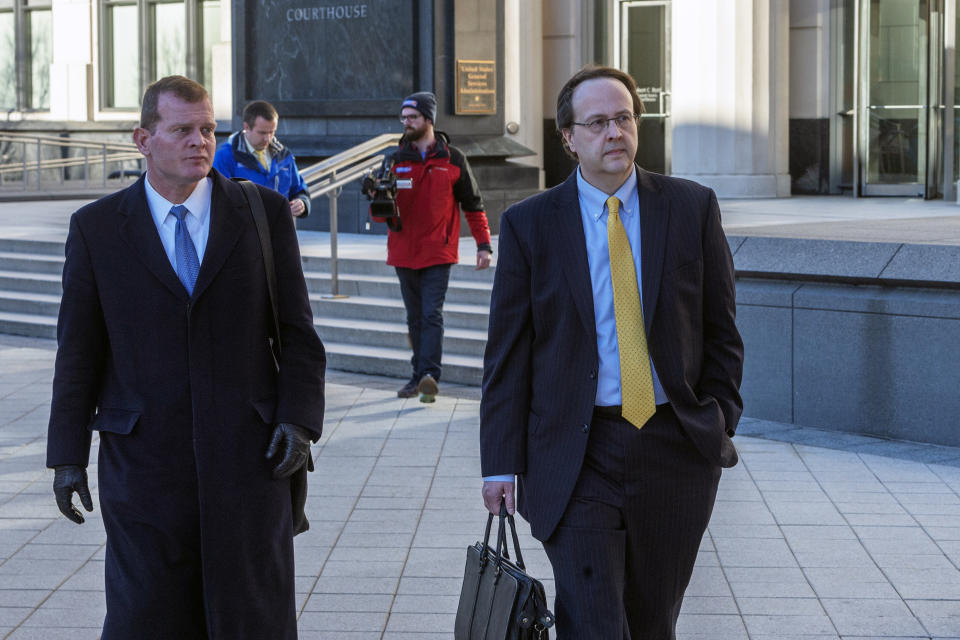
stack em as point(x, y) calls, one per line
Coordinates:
point(335, 163)
point(86, 154)
point(337, 180)
point(7, 136)
point(63, 163)
point(327, 178)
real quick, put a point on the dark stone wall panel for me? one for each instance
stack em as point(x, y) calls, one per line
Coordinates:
point(884, 375)
point(810, 155)
point(360, 52)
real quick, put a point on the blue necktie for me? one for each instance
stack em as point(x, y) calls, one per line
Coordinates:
point(188, 265)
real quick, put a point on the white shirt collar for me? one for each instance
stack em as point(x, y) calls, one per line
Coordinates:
point(197, 204)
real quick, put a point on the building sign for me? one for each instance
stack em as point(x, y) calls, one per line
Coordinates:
point(476, 87)
point(327, 12)
point(330, 57)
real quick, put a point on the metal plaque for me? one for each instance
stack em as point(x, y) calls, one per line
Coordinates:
point(476, 87)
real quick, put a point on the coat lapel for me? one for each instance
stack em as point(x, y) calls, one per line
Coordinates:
point(654, 222)
point(228, 207)
point(571, 247)
point(139, 231)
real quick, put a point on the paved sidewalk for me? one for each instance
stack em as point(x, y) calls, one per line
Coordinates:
point(815, 535)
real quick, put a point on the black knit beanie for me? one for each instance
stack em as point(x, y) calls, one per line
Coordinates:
point(424, 102)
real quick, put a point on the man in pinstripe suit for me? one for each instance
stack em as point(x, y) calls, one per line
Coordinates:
point(620, 506)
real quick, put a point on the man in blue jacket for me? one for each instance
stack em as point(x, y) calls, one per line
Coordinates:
point(256, 155)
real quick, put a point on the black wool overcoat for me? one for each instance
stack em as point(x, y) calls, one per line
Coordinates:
point(183, 392)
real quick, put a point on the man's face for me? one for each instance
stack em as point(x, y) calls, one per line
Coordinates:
point(606, 158)
point(415, 125)
point(179, 151)
point(261, 133)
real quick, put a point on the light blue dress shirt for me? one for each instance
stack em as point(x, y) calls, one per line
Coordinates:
point(593, 212)
point(197, 218)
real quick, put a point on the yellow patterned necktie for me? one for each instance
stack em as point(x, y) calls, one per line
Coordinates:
point(262, 157)
point(636, 381)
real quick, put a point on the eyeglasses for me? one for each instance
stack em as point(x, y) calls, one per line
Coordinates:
point(600, 125)
point(412, 118)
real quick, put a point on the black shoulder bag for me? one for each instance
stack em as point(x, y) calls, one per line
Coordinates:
point(298, 481)
point(499, 600)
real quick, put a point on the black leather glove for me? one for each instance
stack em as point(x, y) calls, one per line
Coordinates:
point(68, 478)
point(294, 443)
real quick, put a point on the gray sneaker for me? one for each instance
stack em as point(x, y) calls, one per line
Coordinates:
point(428, 388)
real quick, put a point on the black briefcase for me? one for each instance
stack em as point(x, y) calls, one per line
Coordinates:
point(499, 600)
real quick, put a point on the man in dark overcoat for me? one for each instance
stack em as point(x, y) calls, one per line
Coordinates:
point(164, 352)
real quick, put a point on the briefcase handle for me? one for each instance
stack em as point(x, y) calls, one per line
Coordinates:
point(501, 548)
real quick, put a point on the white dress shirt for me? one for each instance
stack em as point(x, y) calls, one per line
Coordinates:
point(197, 218)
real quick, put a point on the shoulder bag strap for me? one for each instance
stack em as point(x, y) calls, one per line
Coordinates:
point(266, 248)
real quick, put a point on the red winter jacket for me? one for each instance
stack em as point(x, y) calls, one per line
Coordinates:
point(430, 194)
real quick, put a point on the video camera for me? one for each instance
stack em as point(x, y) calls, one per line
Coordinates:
point(382, 183)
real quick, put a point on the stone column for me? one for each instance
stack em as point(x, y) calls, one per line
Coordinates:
point(71, 72)
point(523, 79)
point(564, 28)
point(730, 95)
point(221, 93)
point(562, 49)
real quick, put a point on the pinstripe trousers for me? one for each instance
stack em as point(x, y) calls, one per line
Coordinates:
point(625, 547)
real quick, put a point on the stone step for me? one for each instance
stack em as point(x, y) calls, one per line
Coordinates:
point(27, 262)
point(396, 362)
point(393, 335)
point(455, 315)
point(26, 245)
point(30, 325)
point(359, 308)
point(378, 266)
point(386, 286)
point(29, 303)
point(49, 283)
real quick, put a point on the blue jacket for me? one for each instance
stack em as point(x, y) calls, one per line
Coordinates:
point(234, 161)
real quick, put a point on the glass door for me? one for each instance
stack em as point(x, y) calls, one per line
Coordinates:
point(899, 123)
point(645, 55)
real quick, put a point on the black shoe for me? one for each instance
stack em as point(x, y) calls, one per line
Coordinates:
point(408, 390)
point(428, 389)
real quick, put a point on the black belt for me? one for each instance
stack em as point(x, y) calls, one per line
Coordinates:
point(614, 410)
point(611, 411)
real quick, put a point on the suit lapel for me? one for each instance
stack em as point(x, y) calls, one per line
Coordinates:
point(571, 246)
point(654, 222)
point(139, 231)
point(227, 208)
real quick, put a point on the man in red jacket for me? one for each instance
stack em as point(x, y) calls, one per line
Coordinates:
point(434, 182)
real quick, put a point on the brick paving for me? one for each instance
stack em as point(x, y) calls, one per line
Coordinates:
point(816, 535)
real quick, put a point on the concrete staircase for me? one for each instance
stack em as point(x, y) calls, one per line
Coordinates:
point(365, 332)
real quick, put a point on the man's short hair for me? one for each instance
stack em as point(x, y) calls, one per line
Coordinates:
point(259, 109)
point(589, 72)
point(183, 88)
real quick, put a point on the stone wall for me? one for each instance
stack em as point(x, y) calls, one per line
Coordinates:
point(851, 336)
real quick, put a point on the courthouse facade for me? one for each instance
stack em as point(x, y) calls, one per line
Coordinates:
point(752, 97)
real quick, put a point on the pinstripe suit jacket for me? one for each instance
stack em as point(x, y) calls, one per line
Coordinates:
point(540, 365)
